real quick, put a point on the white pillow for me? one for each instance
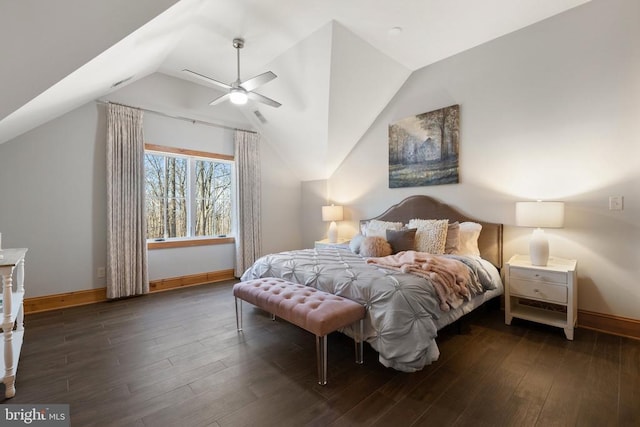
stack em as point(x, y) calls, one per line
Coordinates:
point(376, 228)
point(355, 242)
point(431, 236)
point(469, 233)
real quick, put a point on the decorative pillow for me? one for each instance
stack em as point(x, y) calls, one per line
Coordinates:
point(363, 227)
point(431, 236)
point(402, 240)
point(453, 238)
point(376, 228)
point(374, 247)
point(469, 233)
point(355, 243)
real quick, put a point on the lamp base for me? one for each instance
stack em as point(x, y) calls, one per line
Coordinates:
point(539, 248)
point(333, 232)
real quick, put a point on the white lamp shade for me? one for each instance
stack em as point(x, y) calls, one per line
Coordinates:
point(540, 214)
point(332, 213)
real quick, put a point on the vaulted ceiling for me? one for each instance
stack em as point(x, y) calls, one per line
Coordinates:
point(338, 62)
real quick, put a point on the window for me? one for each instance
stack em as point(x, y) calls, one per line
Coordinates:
point(188, 193)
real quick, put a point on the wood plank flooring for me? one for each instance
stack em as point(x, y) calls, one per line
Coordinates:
point(175, 359)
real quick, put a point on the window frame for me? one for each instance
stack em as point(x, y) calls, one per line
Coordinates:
point(177, 242)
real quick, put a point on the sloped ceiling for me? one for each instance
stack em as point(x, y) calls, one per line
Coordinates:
point(338, 62)
point(134, 56)
point(41, 42)
point(332, 86)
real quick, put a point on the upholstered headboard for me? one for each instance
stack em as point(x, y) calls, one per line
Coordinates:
point(425, 207)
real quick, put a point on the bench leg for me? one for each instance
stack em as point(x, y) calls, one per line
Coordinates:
point(321, 352)
point(360, 342)
point(239, 314)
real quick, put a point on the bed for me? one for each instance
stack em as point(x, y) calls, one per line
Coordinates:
point(404, 313)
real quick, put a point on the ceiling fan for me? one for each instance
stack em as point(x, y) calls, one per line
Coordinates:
point(239, 91)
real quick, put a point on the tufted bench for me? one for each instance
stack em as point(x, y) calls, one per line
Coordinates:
point(315, 311)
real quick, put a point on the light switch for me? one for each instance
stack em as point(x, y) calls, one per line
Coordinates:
point(615, 203)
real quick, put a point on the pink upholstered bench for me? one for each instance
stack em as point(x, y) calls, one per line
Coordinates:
point(315, 311)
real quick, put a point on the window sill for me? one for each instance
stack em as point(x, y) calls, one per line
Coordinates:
point(184, 243)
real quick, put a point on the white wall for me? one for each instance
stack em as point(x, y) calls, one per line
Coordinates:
point(314, 196)
point(31, 30)
point(281, 203)
point(549, 112)
point(53, 201)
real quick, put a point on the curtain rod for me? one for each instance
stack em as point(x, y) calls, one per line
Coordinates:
point(194, 121)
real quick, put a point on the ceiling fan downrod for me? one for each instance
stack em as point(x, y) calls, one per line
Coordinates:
point(238, 44)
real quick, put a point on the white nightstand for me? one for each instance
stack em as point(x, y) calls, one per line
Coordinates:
point(324, 244)
point(528, 287)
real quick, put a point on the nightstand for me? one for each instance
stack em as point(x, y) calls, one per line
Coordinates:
point(324, 244)
point(544, 294)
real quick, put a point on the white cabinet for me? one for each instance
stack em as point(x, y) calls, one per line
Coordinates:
point(544, 294)
point(12, 266)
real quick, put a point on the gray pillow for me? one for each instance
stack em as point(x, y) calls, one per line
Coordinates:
point(402, 240)
point(453, 238)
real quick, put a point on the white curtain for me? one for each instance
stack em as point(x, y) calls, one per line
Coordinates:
point(249, 238)
point(126, 221)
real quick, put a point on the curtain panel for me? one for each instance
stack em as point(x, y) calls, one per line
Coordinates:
point(249, 230)
point(126, 220)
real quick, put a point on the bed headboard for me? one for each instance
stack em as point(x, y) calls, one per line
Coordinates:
point(425, 207)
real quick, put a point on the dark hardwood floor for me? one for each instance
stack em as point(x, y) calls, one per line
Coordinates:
point(175, 359)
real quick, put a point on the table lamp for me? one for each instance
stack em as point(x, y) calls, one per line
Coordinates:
point(539, 215)
point(332, 213)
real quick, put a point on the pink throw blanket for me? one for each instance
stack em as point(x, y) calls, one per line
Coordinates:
point(450, 277)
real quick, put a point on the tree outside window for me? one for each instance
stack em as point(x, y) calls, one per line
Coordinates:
point(187, 196)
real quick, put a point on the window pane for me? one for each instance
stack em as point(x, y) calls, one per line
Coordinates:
point(155, 223)
point(176, 197)
point(177, 202)
point(166, 195)
point(213, 198)
point(155, 191)
point(176, 217)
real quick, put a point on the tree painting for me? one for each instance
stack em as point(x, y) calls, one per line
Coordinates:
point(423, 149)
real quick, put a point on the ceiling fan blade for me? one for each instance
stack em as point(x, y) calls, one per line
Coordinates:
point(220, 100)
point(207, 79)
point(261, 98)
point(257, 81)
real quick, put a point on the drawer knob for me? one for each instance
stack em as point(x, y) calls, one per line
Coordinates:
point(537, 291)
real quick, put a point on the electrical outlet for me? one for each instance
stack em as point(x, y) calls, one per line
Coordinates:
point(616, 203)
point(101, 272)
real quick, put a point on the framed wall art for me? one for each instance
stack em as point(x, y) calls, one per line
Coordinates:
point(423, 149)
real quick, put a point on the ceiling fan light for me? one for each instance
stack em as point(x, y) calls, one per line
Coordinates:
point(238, 96)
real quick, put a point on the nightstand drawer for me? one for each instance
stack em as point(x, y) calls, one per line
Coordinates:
point(538, 290)
point(539, 275)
